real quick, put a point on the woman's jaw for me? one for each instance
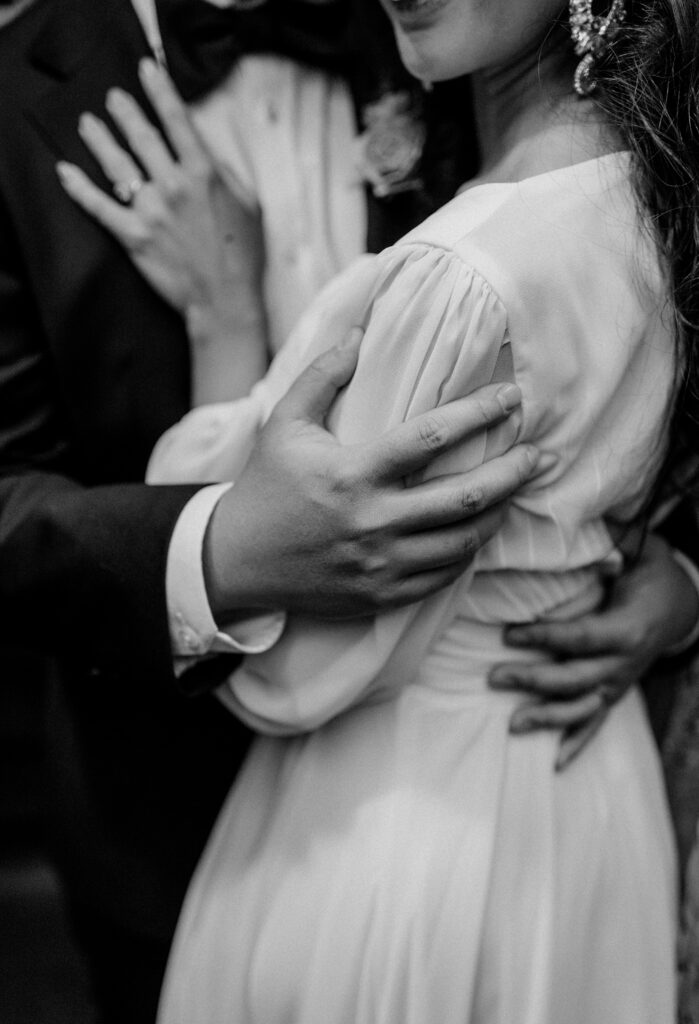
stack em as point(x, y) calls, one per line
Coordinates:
point(443, 39)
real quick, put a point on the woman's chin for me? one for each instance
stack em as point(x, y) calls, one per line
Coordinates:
point(424, 61)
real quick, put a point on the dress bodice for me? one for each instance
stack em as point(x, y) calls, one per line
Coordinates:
point(550, 282)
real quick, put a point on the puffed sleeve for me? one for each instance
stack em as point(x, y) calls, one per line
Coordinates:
point(434, 331)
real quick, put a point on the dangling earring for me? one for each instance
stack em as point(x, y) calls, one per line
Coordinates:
point(591, 37)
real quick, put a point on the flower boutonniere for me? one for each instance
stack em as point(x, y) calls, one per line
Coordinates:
point(389, 150)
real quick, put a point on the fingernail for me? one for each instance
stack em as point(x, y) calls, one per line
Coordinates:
point(86, 123)
point(532, 454)
point(65, 171)
point(352, 338)
point(116, 99)
point(509, 396)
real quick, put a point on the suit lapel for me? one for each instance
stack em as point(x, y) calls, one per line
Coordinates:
point(67, 37)
point(81, 49)
point(79, 53)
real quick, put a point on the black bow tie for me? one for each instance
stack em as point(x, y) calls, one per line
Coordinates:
point(203, 42)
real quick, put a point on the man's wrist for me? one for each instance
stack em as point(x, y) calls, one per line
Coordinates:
point(195, 630)
point(231, 576)
point(206, 324)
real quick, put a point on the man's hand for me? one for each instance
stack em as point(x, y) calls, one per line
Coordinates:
point(332, 531)
point(599, 656)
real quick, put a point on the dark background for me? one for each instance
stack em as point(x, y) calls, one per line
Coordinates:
point(42, 975)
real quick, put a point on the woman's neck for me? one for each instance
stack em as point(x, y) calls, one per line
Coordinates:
point(529, 120)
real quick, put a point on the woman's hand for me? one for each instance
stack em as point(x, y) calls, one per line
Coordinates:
point(598, 657)
point(185, 232)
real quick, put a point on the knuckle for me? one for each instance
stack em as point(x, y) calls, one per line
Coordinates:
point(470, 545)
point(580, 638)
point(201, 169)
point(348, 478)
point(524, 465)
point(138, 238)
point(174, 189)
point(472, 500)
point(487, 411)
point(152, 214)
point(317, 372)
point(375, 567)
point(433, 433)
point(378, 598)
point(340, 482)
point(375, 589)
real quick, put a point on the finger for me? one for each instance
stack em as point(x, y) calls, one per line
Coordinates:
point(575, 740)
point(555, 714)
point(422, 584)
point(563, 680)
point(457, 543)
point(462, 496)
point(118, 165)
point(415, 443)
point(588, 635)
point(172, 112)
point(143, 137)
point(310, 396)
point(117, 219)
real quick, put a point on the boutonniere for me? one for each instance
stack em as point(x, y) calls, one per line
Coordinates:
point(389, 150)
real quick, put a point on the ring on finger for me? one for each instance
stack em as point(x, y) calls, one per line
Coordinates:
point(126, 191)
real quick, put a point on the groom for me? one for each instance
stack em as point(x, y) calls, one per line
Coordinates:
point(98, 570)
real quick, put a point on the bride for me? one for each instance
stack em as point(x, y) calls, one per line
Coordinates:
point(391, 853)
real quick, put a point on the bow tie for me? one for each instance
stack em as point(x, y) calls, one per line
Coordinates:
point(203, 42)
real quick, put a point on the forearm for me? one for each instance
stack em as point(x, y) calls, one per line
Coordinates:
point(82, 570)
point(225, 316)
point(229, 349)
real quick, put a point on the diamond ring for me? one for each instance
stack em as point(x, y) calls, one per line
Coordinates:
point(126, 191)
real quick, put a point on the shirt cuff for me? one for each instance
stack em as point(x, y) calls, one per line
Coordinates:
point(194, 633)
point(693, 636)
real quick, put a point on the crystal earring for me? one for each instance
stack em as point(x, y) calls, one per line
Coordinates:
point(592, 35)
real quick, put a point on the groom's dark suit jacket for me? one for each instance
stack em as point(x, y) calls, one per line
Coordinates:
point(93, 368)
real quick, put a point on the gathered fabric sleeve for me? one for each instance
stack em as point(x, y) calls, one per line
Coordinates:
point(434, 332)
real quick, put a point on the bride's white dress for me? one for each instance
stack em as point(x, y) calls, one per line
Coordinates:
point(408, 861)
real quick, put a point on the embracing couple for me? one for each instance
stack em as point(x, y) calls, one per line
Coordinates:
point(396, 844)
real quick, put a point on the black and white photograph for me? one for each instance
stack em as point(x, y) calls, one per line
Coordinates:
point(349, 511)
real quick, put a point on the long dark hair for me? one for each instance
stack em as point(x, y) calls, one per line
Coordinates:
point(648, 89)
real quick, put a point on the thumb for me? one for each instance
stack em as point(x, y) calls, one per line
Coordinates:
point(313, 392)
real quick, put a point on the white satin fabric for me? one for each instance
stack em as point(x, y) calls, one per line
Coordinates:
point(409, 861)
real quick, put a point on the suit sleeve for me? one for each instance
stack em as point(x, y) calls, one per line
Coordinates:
point(82, 569)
